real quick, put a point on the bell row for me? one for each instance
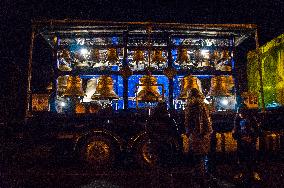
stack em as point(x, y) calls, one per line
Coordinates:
point(147, 89)
point(183, 58)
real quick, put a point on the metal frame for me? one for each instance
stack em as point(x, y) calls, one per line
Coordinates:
point(126, 29)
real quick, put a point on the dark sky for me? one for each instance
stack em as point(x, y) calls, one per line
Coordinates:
point(16, 16)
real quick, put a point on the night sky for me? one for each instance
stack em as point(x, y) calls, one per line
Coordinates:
point(16, 19)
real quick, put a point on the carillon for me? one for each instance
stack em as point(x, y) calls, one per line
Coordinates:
point(219, 86)
point(112, 56)
point(188, 83)
point(74, 87)
point(148, 89)
point(104, 89)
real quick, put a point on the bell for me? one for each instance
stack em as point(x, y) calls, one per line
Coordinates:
point(66, 55)
point(215, 56)
point(49, 87)
point(230, 82)
point(112, 56)
point(198, 56)
point(188, 83)
point(95, 55)
point(64, 67)
point(74, 87)
point(148, 90)
point(158, 56)
point(182, 56)
point(78, 57)
point(61, 84)
point(104, 89)
point(138, 56)
point(225, 55)
point(219, 86)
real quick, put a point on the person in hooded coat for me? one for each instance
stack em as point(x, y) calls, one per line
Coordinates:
point(198, 123)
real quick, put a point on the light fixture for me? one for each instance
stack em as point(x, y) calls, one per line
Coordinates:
point(62, 104)
point(84, 51)
point(224, 102)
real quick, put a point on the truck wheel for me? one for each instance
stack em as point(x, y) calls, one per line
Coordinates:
point(153, 153)
point(146, 154)
point(99, 152)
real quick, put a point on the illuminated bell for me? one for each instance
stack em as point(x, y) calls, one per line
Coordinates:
point(225, 54)
point(104, 89)
point(158, 56)
point(74, 86)
point(66, 55)
point(78, 57)
point(64, 67)
point(182, 56)
point(148, 91)
point(219, 86)
point(61, 84)
point(230, 82)
point(198, 56)
point(49, 87)
point(95, 55)
point(188, 83)
point(215, 55)
point(138, 56)
point(112, 56)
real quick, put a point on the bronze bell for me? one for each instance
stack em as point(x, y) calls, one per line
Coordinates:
point(104, 89)
point(112, 56)
point(158, 56)
point(230, 82)
point(138, 56)
point(148, 89)
point(95, 55)
point(182, 56)
point(74, 87)
point(65, 54)
point(225, 55)
point(219, 86)
point(215, 56)
point(198, 56)
point(188, 83)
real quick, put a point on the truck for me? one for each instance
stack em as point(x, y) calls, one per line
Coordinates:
point(95, 87)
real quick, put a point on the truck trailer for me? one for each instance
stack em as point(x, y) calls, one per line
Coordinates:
point(95, 86)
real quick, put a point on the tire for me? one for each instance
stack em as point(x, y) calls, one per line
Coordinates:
point(146, 154)
point(98, 152)
point(152, 153)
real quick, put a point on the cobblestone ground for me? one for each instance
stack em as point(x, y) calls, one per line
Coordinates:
point(36, 167)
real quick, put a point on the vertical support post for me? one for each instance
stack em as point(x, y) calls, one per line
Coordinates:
point(260, 71)
point(124, 62)
point(235, 73)
point(171, 82)
point(55, 74)
point(29, 93)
